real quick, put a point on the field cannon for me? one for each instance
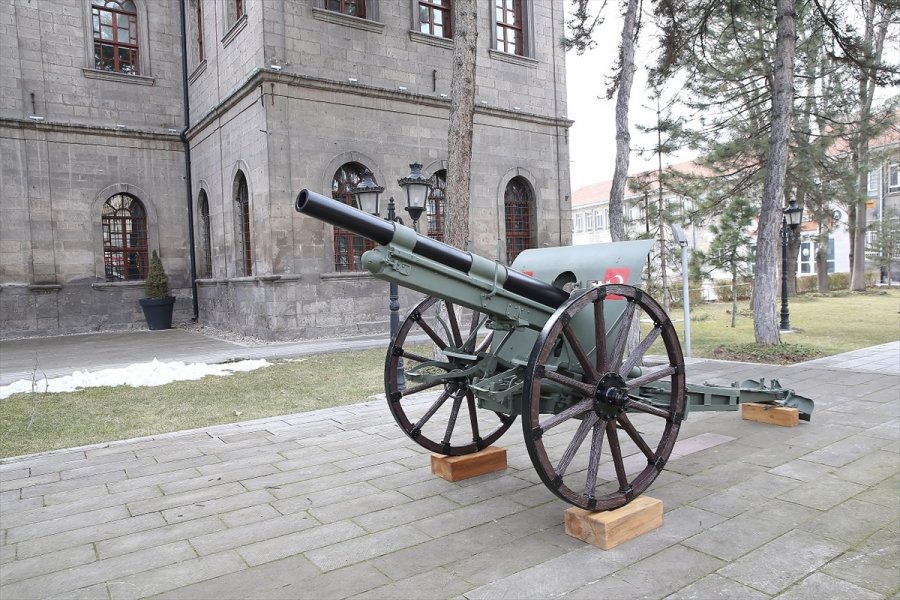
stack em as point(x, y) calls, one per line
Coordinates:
point(547, 339)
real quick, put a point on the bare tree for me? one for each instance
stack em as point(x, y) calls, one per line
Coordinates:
point(622, 88)
point(462, 118)
point(581, 27)
point(876, 21)
point(765, 323)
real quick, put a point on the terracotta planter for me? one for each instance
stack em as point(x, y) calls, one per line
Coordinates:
point(158, 312)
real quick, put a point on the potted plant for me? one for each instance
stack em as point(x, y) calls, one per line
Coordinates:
point(157, 304)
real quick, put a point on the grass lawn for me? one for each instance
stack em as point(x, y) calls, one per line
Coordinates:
point(30, 423)
point(823, 325)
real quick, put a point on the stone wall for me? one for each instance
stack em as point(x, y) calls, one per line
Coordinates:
point(286, 95)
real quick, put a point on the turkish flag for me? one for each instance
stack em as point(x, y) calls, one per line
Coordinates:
point(616, 275)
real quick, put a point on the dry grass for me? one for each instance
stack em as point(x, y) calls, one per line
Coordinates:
point(30, 423)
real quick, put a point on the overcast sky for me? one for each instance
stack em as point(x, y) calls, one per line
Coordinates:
point(592, 139)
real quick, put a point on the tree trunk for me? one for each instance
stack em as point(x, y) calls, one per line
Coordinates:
point(765, 323)
point(623, 137)
point(734, 302)
point(822, 262)
point(873, 39)
point(858, 233)
point(462, 118)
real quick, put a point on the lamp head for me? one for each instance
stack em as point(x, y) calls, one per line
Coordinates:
point(793, 214)
point(416, 187)
point(367, 193)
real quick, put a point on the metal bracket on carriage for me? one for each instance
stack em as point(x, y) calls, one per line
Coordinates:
point(752, 390)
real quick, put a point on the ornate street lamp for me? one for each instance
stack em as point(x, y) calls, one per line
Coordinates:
point(790, 221)
point(367, 194)
point(416, 187)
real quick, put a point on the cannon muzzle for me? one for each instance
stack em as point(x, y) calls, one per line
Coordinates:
point(382, 232)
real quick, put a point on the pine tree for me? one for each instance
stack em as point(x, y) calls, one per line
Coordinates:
point(157, 282)
point(730, 249)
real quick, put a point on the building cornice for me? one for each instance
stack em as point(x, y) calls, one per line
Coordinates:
point(262, 76)
point(124, 132)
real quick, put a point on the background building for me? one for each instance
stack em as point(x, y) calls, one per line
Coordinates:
point(281, 96)
point(590, 214)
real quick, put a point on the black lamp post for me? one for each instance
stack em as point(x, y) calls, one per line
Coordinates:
point(790, 221)
point(368, 193)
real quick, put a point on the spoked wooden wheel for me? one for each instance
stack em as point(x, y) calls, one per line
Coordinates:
point(602, 397)
point(437, 423)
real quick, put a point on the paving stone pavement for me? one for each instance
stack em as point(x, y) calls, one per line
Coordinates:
point(339, 504)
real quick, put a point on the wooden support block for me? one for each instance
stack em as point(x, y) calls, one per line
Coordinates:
point(457, 468)
point(768, 413)
point(610, 528)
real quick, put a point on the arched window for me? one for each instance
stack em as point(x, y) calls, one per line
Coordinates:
point(205, 238)
point(434, 205)
point(348, 248)
point(115, 36)
point(124, 238)
point(519, 204)
point(242, 225)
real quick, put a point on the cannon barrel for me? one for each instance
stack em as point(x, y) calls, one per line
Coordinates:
point(382, 232)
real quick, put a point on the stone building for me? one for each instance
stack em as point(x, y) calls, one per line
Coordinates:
point(112, 148)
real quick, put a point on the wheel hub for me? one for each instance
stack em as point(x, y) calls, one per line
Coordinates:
point(610, 396)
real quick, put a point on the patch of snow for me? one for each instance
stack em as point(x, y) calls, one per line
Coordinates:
point(136, 375)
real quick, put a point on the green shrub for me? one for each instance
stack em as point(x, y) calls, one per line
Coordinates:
point(807, 284)
point(838, 281)
point(744, 289)
point(157, 283)
point(872, 278)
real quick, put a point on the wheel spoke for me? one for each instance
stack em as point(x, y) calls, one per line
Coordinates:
point(454, 326)
point(411, 356)
point(580, 354)
point(451, 423)
point(650, 376)
point(421, 387)
point(473, 417)
point(570, 412)
point(583, 388)
point(616, 451)
point(575, 443)
point(639, 404)
point(638, 353)
point(590, 481)
point(622, 336)
point(433, 409)
point(430, 332)
point(629, 428)
point(600, 335)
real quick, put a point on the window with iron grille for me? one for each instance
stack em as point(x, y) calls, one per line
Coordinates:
point(354, 8)
point(434, 205)
point(242, 225)
point(124, 224)
point(509, 35)
point(205, 237)
point(434, 18)
point(115, 36)
point(519, 205)
point(348, 247)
